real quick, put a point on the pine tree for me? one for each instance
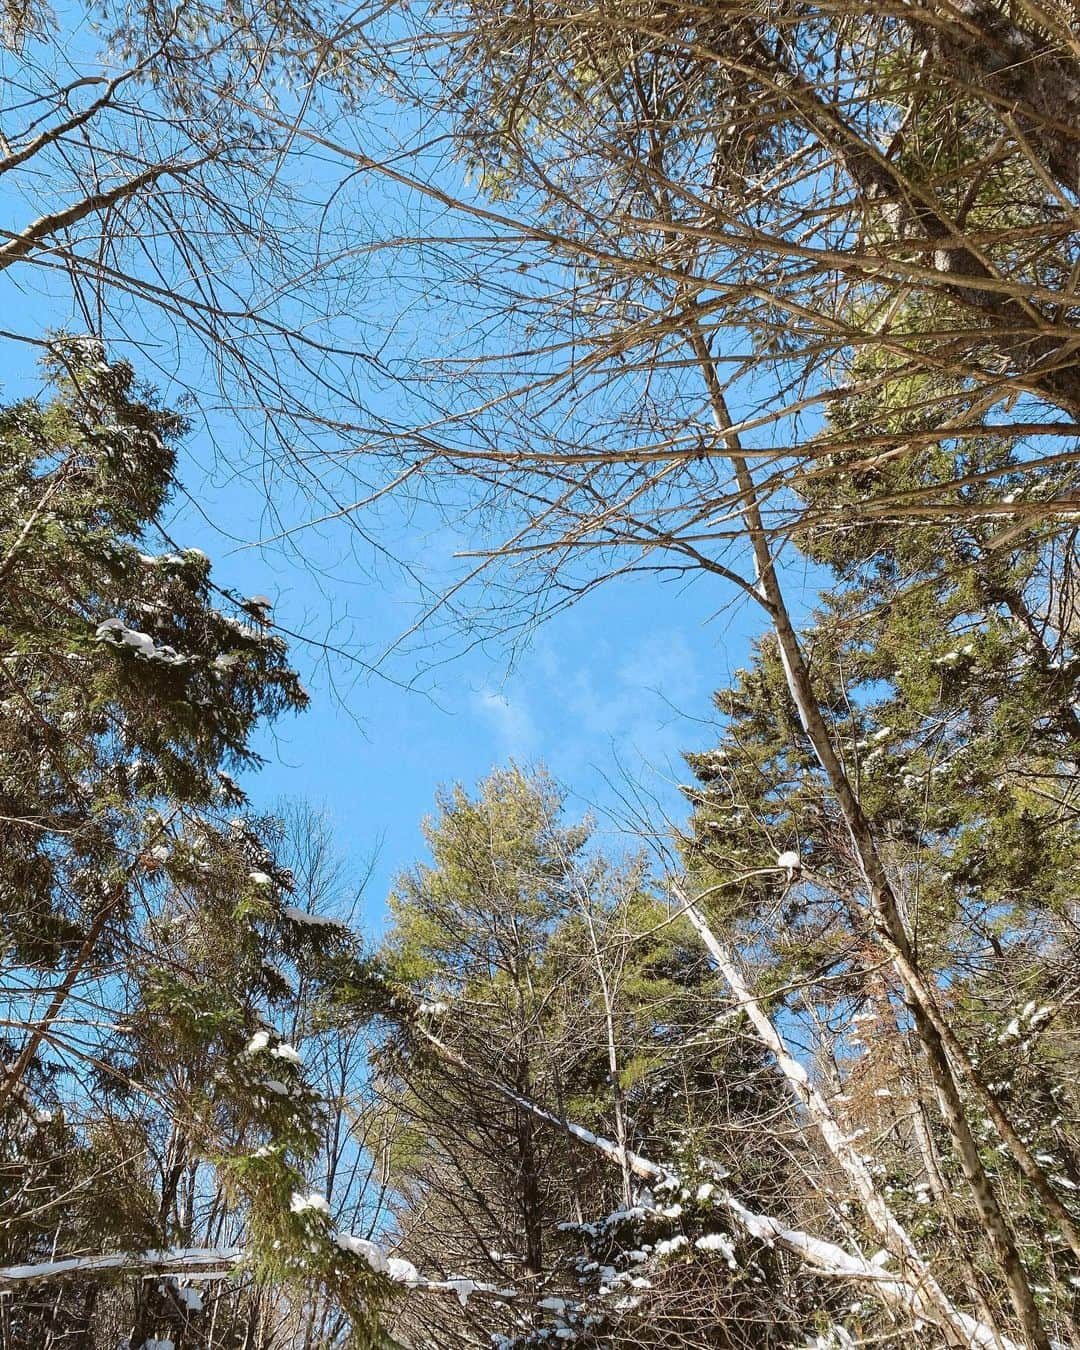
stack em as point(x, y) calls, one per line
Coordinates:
point(149, 1102)
point(542, 973)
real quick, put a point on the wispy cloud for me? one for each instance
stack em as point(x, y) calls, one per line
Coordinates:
point(514, 727)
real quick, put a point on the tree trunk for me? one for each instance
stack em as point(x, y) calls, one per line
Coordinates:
point(885, 912)
point(896, 1239)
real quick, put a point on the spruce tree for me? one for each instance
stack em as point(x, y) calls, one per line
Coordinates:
point(541, 970)
point(149, 1101)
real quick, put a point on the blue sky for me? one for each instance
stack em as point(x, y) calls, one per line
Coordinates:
point(618, 685)
point(609, 691)
point(606, 693)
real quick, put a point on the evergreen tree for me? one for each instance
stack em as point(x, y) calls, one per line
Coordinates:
point(944, 659)
point(543, 968)
point(148, 1100)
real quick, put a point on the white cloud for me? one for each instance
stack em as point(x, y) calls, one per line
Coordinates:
point(513, 724)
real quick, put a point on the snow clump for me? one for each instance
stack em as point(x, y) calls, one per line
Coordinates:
point(302, 1201)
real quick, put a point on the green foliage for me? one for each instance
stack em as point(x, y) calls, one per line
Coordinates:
point(944, 659)
point(159, 1093)
point(500, 880)
point(556, 974)
point(123, 684)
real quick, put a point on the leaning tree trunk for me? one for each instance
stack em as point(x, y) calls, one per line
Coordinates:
point(884, 909)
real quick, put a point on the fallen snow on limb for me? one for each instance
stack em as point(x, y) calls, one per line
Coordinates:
point(217, 1262)
point(174, 1261)
point(929, 1298)
point(301, 916)
point(303, 1201)
point(403, 1272)
point(823, 1257)
point(826, 1258)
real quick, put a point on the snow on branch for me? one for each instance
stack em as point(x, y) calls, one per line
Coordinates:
point(403, 1272)
point(931, 1299)
point(210, 1262)
point(824, 1258)
point(216, 1263)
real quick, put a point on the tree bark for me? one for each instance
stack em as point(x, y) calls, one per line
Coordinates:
point(885, 912)
point(976, 46)
point(896, 1239)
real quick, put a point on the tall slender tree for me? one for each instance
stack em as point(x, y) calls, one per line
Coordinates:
point(148, 1100)
point(544, 977)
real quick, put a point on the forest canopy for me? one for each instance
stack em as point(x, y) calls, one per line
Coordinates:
point(781, 300)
